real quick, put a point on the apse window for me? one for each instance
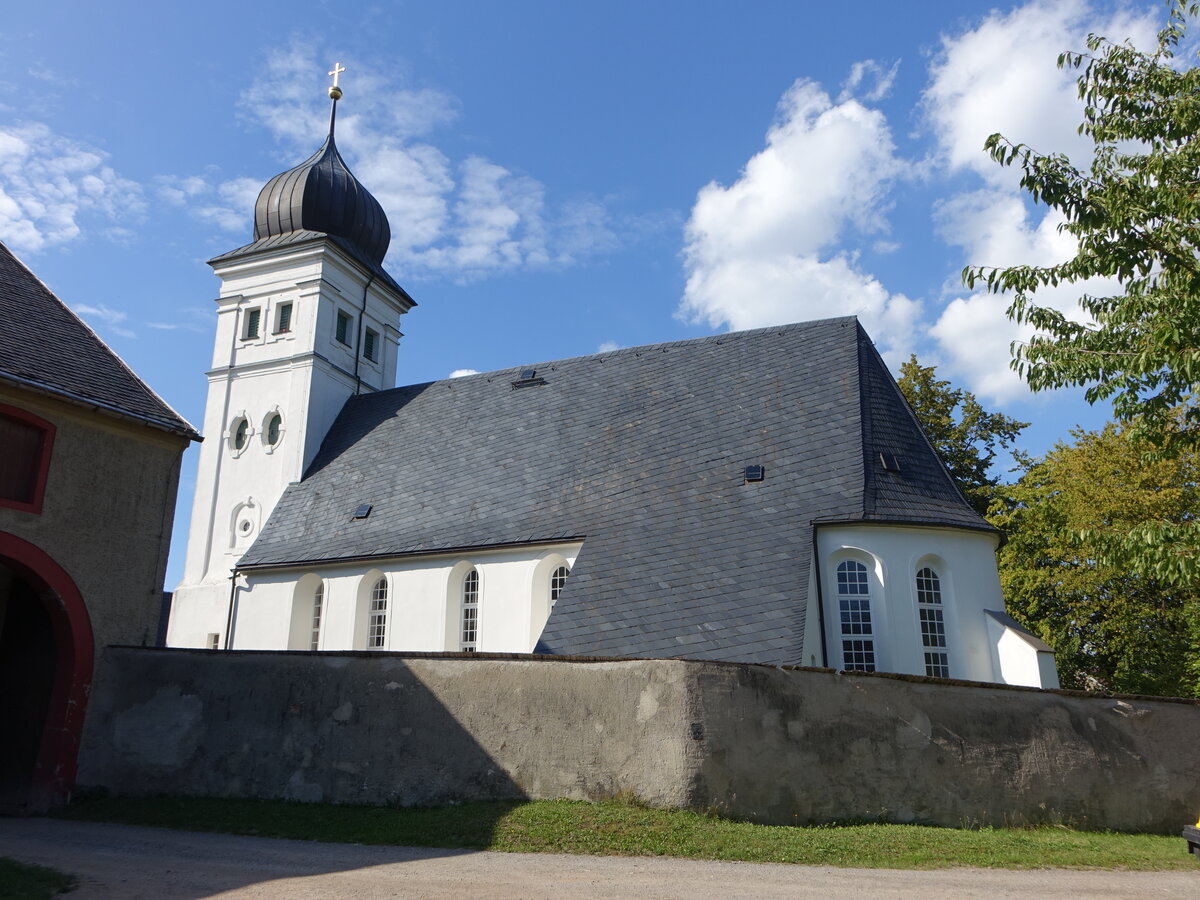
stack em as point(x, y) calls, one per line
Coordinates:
point(933, 623)
point(854, 614)
point(283, 318)
point(371, 345)
point(342, 329)
point(251, 324)
point(25, 441)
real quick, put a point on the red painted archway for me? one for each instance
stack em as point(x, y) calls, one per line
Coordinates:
point(54, 774)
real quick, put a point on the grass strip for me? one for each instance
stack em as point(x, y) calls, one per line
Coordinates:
point(621, 828)
point(22, 881)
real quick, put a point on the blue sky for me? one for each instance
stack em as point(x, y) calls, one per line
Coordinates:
point(560, 178)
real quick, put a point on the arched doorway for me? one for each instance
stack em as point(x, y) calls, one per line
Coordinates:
point(45, 670)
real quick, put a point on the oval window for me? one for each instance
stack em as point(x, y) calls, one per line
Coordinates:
point(239, 434)
point(273, 426)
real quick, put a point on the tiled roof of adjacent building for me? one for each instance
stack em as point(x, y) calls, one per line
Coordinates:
point(641, 453)
point(46, 347)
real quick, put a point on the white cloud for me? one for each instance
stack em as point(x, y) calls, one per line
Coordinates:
point(608, 347)
point(1001, 76)
point(866, 72)
point(227, 204)
point(110, 318)
point(768, 249)
point(51, 188)
point(465, 218)
point(462, 373)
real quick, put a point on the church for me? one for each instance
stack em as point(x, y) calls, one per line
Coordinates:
point(765, 496)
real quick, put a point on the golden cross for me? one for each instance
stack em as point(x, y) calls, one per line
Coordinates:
point(338, 69)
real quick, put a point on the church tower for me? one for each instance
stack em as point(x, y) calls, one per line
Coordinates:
point(307, 317)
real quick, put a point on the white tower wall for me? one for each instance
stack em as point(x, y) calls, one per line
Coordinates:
point(303, 373)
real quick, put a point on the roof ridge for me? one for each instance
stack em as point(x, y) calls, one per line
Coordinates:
point(640, 348)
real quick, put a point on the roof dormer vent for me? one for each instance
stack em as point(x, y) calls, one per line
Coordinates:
point(889, 461)
point(527, 378)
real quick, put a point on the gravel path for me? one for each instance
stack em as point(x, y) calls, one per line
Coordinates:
point(127, 861)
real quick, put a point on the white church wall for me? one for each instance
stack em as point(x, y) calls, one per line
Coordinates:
point(424, 603)
point(965, 563)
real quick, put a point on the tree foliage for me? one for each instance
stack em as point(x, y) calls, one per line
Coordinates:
point(965, 435)
point(1135, 213)
point(1113, 628)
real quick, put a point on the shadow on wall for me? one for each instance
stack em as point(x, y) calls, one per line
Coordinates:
point(310, 727)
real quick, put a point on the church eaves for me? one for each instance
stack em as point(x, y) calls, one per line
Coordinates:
point(642, 454)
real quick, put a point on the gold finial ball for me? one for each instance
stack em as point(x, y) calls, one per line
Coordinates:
point(335, 92)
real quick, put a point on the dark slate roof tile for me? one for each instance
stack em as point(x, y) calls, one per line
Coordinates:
point(639, 452)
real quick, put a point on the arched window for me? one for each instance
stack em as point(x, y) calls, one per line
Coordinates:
point(317, 606)
point(377, 621)
point(558, 580)
point(854, 609)
point(933, 625)
point(470, 612)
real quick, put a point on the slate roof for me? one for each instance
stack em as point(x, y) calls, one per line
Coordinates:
point(46, 347)
point(640, 453)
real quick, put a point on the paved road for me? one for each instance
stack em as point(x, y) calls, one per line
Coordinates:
point(126, 861)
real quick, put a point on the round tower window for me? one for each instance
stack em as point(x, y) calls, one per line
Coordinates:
point(273, 426)
point(239, 434)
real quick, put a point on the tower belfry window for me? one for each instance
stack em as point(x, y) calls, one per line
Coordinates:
point(253, 318)
point(371, 345)
point(283, 318)
point(342, 329)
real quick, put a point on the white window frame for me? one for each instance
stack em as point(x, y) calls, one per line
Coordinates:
point(318, 609)
point(931, 622)
point(377, 615)
point(468, 622)
point(252, 323)
point(858, 645)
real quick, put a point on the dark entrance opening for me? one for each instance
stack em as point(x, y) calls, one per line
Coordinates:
point(28, 663)
point(46, 655)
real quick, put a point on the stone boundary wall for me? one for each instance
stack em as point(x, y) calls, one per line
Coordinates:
point(767, 744)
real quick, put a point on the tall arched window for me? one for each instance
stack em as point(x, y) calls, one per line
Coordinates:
point(470, 612)
point(558, 580)
point(854, 609)
point(933, 625)
point(377, 622)
point(317, 606)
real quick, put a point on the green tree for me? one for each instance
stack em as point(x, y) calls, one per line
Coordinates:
point(1135, 212)
point(965, 435)
point(1112, 628)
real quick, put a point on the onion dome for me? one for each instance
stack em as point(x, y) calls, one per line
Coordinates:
point(322, 194)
